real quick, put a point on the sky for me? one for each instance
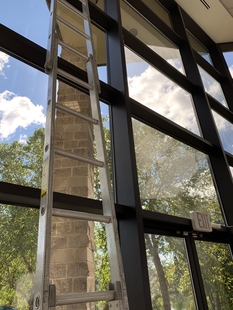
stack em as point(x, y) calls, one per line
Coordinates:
point(23, 88)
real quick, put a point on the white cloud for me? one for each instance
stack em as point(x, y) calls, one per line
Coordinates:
point(160, 94)
point(212, 87)
point(18, 111)
point(23, 139)
point(4, 59)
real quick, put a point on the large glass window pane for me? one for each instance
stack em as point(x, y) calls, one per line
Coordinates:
point(29, 18)
point(197, 46)
point(157, 8)
point(170, 282)
point(217, 269)
point(77, 42)
point(18, 245)
point(173, 177)
point(23, 92)
point(152, 89)
point(229, 60)
point(150, 36)
point(225, 130)
point(212, 87)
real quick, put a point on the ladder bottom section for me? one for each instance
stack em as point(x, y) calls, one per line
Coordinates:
point(78, 298)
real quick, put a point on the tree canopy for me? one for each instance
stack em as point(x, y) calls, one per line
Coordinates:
point(20, 163)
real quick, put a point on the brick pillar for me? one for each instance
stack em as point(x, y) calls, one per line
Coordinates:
point(72, 266)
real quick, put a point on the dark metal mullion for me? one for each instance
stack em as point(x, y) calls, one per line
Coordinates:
point(226, 47)
point(216, 57)
point(207, 67)
point(220, 109)
point(229, 158)
point(125, 173)
point(227, 82)
point(196, 30)
point(195, 272)
point(217, 155)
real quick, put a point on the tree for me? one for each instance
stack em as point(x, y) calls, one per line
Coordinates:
point(20, 163)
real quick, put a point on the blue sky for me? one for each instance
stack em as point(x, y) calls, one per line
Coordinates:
point(23, 89)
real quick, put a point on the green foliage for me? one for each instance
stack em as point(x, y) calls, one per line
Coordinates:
point(20, 163)
point(173, 178)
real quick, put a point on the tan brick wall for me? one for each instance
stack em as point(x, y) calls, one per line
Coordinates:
point(72, 266)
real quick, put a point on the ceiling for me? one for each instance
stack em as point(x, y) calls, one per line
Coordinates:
point(216, 21)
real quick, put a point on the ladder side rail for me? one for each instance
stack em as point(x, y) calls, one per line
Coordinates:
point(113, 242)
point(42, 280)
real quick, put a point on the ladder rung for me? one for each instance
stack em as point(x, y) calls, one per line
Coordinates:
point(63, 21)
point(88, 160)
point(72, 8)
point(71, 49)
point(77, 298)
point(75, 113)
point(74, 79)
point(81, 215)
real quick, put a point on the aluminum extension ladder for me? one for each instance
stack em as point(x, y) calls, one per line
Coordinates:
point(45, 296)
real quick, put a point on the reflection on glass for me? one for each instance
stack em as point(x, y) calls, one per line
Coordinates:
point(225, 130)
point(217, 269)
point(170, 283)
point(197, 46)
point(150, 36)
point(229, 57)
point(29, 18)
point(18, 244)
point(173, 177)
point(77, 42)
point(99, 3)
point(157, 8)
point(152, 89)
point(23, 91)
point(212, 87)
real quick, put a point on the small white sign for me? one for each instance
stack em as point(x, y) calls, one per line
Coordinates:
point(200, 221)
